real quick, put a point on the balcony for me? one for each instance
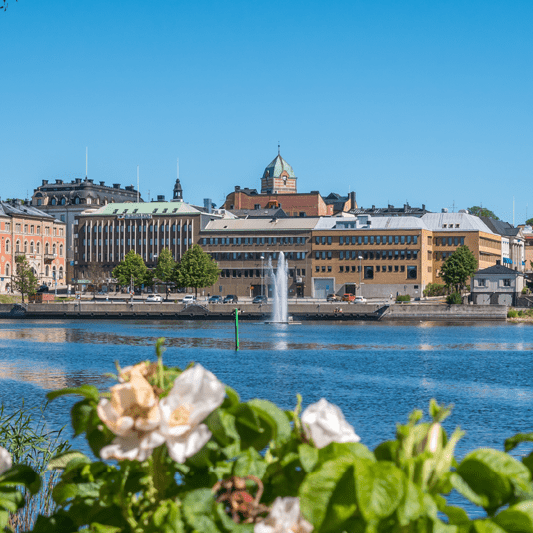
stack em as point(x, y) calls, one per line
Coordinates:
point(48, 258)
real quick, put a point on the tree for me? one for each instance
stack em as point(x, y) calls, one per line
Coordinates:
point(24, 280)
point(529, 222)
point(164, 271)
point(458, 268)
point(482, 212)
point(132, 267)
point(196, 269)
point(97, 274)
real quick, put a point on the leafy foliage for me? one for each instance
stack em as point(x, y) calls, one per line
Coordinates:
point(164, 271)
point(197, 269)
point(258, 454)
point(478, 211)
point(457, 268)
point(454, 299)
point(435, 289)
point(132, 267)
point(24, 280)
point(403, 298)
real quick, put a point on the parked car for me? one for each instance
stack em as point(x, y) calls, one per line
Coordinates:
point(359, 300)
point(215, 299)
point(231, 299)
point(189, 299)
point(332, 298)
point(43, 288)
point(153, 298)
point(347, 297)
point(260, 300)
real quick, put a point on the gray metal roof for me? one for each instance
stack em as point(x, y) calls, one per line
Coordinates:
point(24, 210)
point(499, 269)
point(262, 224)
point(454, 222)
point(376, 223)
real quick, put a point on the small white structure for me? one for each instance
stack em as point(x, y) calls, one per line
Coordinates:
point(497, 285)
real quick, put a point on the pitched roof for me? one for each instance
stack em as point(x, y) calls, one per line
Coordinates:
point(454, 222)
point(499, 269)
point(262, 224)
point(155, 208)
point(277, 166)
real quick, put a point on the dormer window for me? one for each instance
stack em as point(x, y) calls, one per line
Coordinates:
point(115, 211)
point(154, 211)
point(444, 225)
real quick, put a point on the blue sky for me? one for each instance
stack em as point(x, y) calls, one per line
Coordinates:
point(429, 102)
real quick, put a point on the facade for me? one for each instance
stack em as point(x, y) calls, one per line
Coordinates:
point(66, 200)
point(279, 190)
point(391, 211)
point(513, 243)
point(498, 285)
point(27, 231)
point(104, 236)
point(245, 249)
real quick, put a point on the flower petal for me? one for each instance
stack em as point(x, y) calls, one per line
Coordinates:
point(5, 460)
point(125, 448)
point(284, 517)
point(119, 425)
point(180, 449)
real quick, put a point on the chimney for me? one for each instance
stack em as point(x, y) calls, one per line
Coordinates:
point(353, 203)
point(160, 197)
point(78, 180)
point(237, 188)
point(59, 182)
point(45, 182)
point(423, 207)
point(102, 183)
point(208, 205)
point(116, 185)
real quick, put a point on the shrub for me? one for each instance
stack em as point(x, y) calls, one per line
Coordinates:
point(454, 299)
point(403, 298)
point(435, 289)
point(512, 313)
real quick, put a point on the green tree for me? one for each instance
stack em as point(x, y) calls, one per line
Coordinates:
point(458, 268)
point(482, 212)
point(131, 267)
point(164, 271)
point(196, 269)
point(529, 222)
point(24, 280)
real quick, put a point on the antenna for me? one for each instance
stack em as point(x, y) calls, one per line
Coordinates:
point(137, 183)
point(86, 160)
point(513, 211)
point(278, 148)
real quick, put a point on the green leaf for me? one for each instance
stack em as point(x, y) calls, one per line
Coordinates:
point(21, 475)
point(80, 416)
point(463, 488)
point(380, 489)
point(516, 518)
point(167, 518)
point(199, 509)
point(512, 442)
point(412, 505)
point(456, 515)
point(105, 528)
point(250, 463)
point(486, 526)
point(350, 450)
point(308, 456)
point(327, 496)
point(493, 475)
point(11, 499)
point(4, 518)
point(387, 451)
point(59, 462)
point(88, 391)
point(281, 428)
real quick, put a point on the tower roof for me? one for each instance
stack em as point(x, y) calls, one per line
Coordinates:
point(277, 167)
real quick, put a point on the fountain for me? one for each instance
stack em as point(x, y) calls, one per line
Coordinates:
point(280, 307)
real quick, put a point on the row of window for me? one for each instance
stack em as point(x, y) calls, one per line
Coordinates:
point(248, 241)
point(449, 241)
point(256, 273)
point(130, 229)
point(36, 230)
point(32, 247)
point(141, 242)
point(368, 254)
point(255, 256)
point(367, 239)
point(370, 270)
point(7, 271)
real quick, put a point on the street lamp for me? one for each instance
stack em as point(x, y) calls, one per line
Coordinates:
point(360, 273)
point(262, 275)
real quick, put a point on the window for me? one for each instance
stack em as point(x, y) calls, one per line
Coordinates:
point(63, 201)
point(60, 250)
point(506, 282)
point(31, 247)
point(481, 282)
point(411, 272)
point(329, 268)
point(7, 246)
point(369, 272)
point(7, 269)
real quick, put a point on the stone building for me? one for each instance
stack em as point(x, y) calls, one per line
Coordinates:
point(66, 200)
point(25, 230)
point(497, 285)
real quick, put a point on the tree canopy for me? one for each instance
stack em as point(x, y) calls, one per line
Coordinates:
point(461, 265)
point(164, 270)
point(197, 269)
point(131, 267)
point(24, 280)
point(482, 212)
point(529, 222)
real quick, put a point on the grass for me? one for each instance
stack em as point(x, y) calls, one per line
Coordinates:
point(24, 433)
point(10, 299)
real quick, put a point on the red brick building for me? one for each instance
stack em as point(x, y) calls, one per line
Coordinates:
point(279, 189)
point(27, 231)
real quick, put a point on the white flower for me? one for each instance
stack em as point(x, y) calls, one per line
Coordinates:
point(285, 517)
point(194, 395)
point(434, 438)
point(324, 423)
point(132, 414)
point(5, 460)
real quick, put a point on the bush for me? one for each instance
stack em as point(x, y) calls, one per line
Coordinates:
point(435, 289)
point(512, 313)
point(454, 299)
point(180, 452)
point(403, 298)
point(525, 290)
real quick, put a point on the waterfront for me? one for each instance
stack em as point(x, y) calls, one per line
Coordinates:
point(376, 373)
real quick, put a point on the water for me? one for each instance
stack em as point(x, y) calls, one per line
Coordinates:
point(280, 307)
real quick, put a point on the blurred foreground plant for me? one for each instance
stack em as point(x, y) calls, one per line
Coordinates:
point(182, 453)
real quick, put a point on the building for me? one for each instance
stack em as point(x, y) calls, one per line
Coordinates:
point(105, 235)
point(66, 200)
point(391, 211)
point(279, 190)
point(245, 250)
point(513, 243)
point(25, 230)
point(497, 285)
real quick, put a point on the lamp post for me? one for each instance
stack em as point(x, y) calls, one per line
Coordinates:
point(360, 274)
point(262, 275)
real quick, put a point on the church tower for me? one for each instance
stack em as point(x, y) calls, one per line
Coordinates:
point(278, 177)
